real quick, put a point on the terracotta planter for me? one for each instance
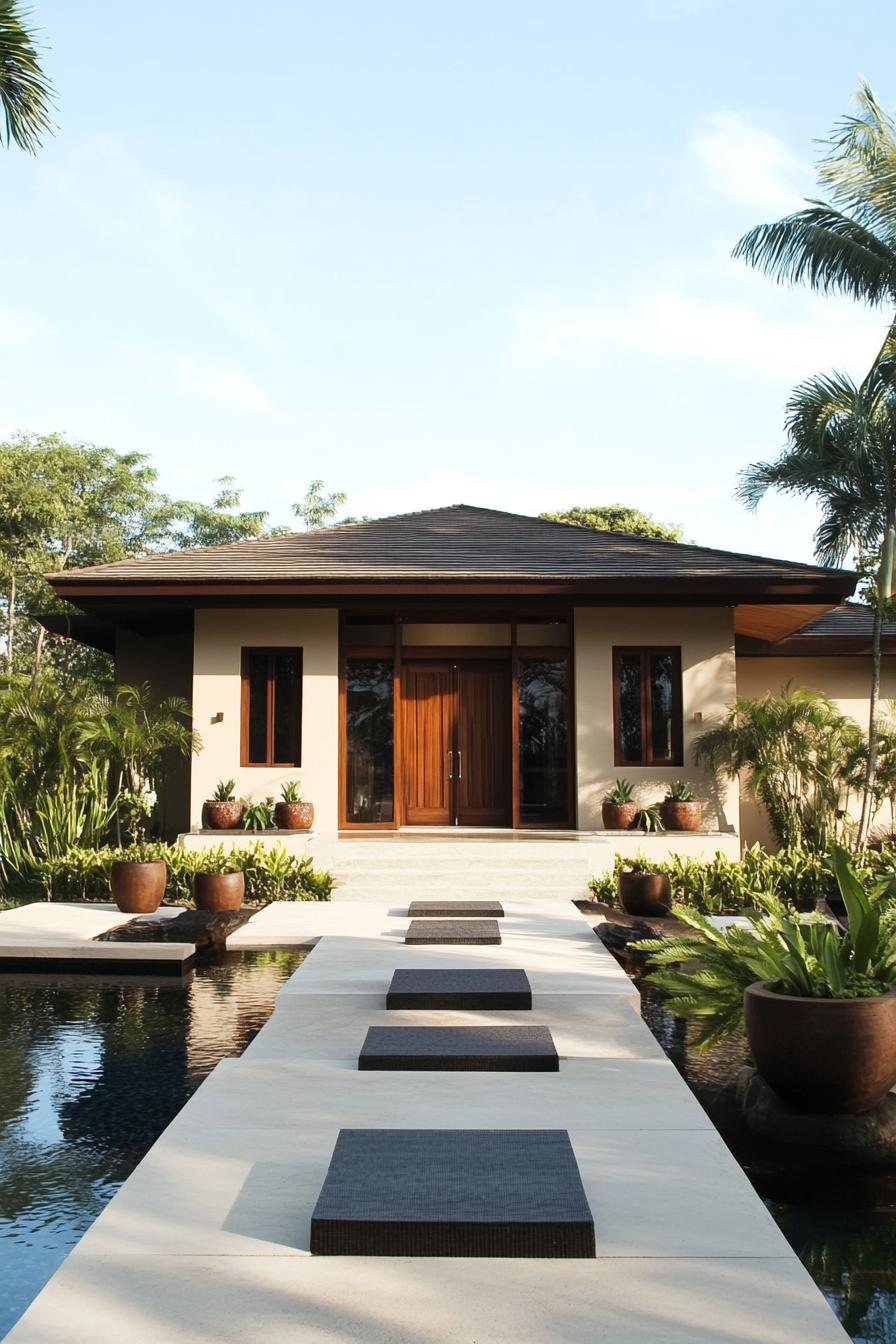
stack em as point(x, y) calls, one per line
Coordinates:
point(646, 894)
point(138, 888)
point(619, 816)
point(224, 816)
point(681, 816)
point(294, 816)
point(835, 1056)
point(218, 891)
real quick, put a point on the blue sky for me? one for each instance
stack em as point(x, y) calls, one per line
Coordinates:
point(432, 253)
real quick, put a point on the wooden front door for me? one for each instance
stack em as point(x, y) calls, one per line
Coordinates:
point(456, 742)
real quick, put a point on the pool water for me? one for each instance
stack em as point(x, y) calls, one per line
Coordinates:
point(840, 1222)
point(90, 1075)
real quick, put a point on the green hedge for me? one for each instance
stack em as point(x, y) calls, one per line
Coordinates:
point(722, 886)
point(271, 874)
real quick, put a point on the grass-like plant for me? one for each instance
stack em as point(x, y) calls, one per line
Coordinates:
point(621, 792)
point(259, 816)
point(803, 955)
point(291, 792)
point(225, 791)
point(679, 791)
point(649, 818)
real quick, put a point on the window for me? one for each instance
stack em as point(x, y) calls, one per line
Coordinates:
point(369, 740)
point(647, 706)
point(272, 707)
point(544, 739)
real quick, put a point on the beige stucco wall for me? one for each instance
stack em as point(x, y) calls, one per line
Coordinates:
point(219, 638)
point(706, 638)
point(845, 680)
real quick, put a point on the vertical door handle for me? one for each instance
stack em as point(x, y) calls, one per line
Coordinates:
point(451, 765)
point(459, 771)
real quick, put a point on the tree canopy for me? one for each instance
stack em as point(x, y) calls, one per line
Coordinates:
point(617, 518)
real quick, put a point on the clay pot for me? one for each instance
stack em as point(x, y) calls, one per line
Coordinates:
point(138, 888)
point(619, 816)
point(219, 891)
point(834, 1056)
point(294, 816)
point(646, 894)
point(223, 816)
point(679, 816)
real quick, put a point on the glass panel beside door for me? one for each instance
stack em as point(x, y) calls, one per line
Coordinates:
point(369, 740)
point(544, 739)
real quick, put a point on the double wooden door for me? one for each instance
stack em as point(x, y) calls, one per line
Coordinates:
point(456, 742)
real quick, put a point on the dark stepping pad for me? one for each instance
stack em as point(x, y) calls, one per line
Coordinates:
point(456, 910)
point(459, 989)
point(453, 931)
point(459, 1049)
point(455, 1192)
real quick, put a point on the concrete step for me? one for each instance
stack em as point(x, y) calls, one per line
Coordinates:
point(401, 877)
point(403, 895)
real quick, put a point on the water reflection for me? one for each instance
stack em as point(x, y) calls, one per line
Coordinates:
point(90, 1075)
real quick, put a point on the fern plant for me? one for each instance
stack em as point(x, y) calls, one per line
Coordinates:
point(806, 956)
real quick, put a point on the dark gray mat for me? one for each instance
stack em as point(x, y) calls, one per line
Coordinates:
point(459, 989)
point(454, 1192)
point(456, 910)
point(460, 1049)
point(453, 931)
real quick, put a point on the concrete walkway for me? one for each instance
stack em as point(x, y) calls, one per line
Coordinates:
point(208, 1239)
point(58, 936)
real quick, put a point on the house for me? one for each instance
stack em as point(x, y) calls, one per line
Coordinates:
point(465, 667)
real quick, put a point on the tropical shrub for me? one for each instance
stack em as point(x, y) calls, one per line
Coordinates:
point(803, 955)
point(259, 816)
point(621, 792)
point(799, 758)
point(272, 874)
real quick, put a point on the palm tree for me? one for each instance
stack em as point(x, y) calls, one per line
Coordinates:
point(25, 91)
point(842, 437)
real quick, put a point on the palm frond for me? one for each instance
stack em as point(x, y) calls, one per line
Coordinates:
point(26, 93)
point(825, 249)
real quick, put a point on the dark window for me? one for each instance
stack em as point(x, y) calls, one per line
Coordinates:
point(272, 707)
point(647, 706)
point(369, 740)
point(544, 739)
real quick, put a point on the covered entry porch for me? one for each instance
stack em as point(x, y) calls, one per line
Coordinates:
point(458, 718)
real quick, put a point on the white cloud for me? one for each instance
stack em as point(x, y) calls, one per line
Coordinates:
point(224, 383)
point(750, 166)
point(674, 327)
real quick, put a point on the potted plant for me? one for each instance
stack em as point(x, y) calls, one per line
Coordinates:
point(223, 811)
point(642, 891)
point(618, 811)
point(138, 880)
point(817, 1000)
point(680, 810)
point(259, 816)
point(218, 884)
point(292, 813)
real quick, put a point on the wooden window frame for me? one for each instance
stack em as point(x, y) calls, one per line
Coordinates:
point(270, 651)
point(646, 652)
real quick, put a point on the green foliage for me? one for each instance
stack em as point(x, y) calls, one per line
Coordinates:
point(679, 791)
point(217, 523)
point(798, 756)
point(271, 874)
point(26, 93)
point(224, 791)
point(723, 886)
point(806, 956)
point(650, 819)
point(318, 508)
point(291, 792)
point(621, 792)
point(259, 816)
point(617, 518)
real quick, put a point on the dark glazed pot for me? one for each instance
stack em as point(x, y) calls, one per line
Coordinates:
point(138, 888)
point(218, 891)
point(681, 816)
point(294, 816)
point(224, 816)
point(618, 816)
point(646, 894)
point(834, 1056)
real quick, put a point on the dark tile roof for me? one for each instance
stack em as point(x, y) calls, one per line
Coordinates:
point(455, 543)
point(851, 620)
